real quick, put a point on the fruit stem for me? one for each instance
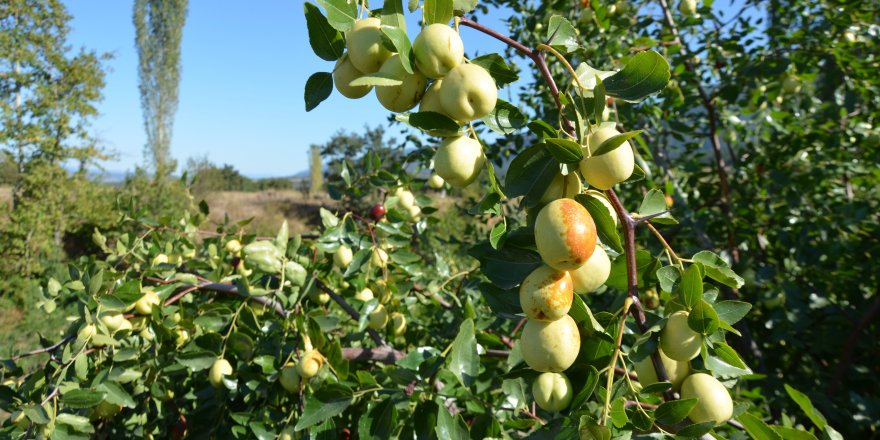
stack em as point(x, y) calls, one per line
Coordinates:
point(675, 258)
point(565, 62)
point(607, 408)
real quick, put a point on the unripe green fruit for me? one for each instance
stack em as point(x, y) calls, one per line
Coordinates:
point(148, 334)
point(233, 246)
point(469, 93)
point(310, 364)
point(405, 197)
point(379, 257)
point(343, 256)
point(593, 274)
point(288, 433)
point(562, 187)
point(677, 339)
point(849, 36)
point(676, 370)
point(431, 101)
point(611, 168)
point(550, 345)
point(364, 44)
point(289, 378)
point(714, 403)
point(565, 234)
point(159, 259)
point(437, 49)
point(364, 295)
point(295, 273)
point(145, 304)
point(105, 410)
point(398, 323)
point(220, 369)
point(459, 160)
point(546, 294)
point(414, 212)
point(687, 7)
point(404, 96)
point(436, 182)
point(182, 337)
point(378, 318)
point(791, 84)
point(552, 391)
point(318, 295)
point(113, 319)
point(343, 74)
point(86, 332)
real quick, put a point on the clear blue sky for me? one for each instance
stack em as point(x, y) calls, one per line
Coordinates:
point(245, 64)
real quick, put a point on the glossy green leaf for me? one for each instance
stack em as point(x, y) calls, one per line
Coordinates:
point(565, 151)
point(318, 88)
point(757, 429)
point(644, 74)
point(674, 411)
point(691, 286)
point(341, 14)
point(327, 42)
point(501, 72)
point(561, 34)
point(329, 401)
point(703, 318)
point(718, 269)
point(463, 360)
point(402, 45)
point(505, 118)
point(612, 143)
point(437, 11)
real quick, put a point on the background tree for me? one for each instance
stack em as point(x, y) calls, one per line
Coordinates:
point(316, 171)
point(158, 33)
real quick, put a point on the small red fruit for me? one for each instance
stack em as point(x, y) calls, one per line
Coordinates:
point(377, 212)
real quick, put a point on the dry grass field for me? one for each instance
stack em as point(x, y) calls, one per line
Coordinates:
point(269, 209)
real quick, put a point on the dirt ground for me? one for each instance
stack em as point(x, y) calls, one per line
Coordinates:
point(269, 209)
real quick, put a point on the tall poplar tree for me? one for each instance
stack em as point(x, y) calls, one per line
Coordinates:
point(159, 31)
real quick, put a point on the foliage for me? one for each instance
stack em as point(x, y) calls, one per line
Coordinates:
point(207, 177)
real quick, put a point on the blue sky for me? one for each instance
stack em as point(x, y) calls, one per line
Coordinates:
point(245, 65)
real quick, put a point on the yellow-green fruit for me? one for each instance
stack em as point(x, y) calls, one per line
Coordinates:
point(86, 332)
point(546, 294)
point(604, 200)
point(677, 339)
point(288, 433)
point(849, 36)
point(343, 74)
point(565, 234)
point(676, 370)
point(364, 295)
point(378, 318)
point(550, 345)
point(342, 257)
point(414, 212)
point(289, 378)
point(398, 323)
point(611, 168)
point(593, 273)
point(562, 187)
point(436, 182)
point(791, 84)
point(148, 334)
point(379, 257)
point(404, 96)
point(469, 93)
point(687, 7)
point(182, 337)
point(145, 304)
point(714, 403)
point(310, 364)
point(552, 391)
point(459, 160)
point(431, 101)
point(437, 49)
point(233, 246)
point(105, 410)
point(364, 44)
point(405, 197)
point(113, 319)
point(220, 369)
point(159, 259)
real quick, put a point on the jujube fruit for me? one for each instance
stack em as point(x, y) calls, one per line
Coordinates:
point(565, 234)
point(592, 274)
point(343, 74)
point(469, 93)
point(365, 47)
point(611, 168)
point(220, 369)
point(546, 294)
point(677, 339)
point(437, 49)
point(550, 345)
point(406, 95)
point(713, 400)
point(459, 160)
point(676, 370)
point(552, 391)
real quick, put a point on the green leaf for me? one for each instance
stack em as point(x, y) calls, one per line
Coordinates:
point(463, 360)
point(360, 257)
point(341, 14)
point(668, 277)
point(542, 129)
point(326, 41)
point(79, 423)
point(611, 144)
point(718, 269)
point(331, 400)
point(793, 434)
point(464, 6)
point(505, 118)
point(757, 429)
point(692, 286)
point(732, 311)
point(807, 407)
point(497, 234)
point(644, 74)
point(433, 123)
point(703, 319)
point(605, 226)
point(82, 398)
point(115, 394)
point(450, 427)
point(197, 360)
point(501, 72)
point(696, 430)
point(36, 413)
point(392, 15)
point(318, 88)
point(565, 150)
point(599, 100)
point(561, 34)
point(587, 389)
point(653, 203)
point(401, 42)
point(674, 411)
point(379, 79)
point(505, 267)
point(380, 422)
point(656, 388)
point(530, 173)
point(437, 11)
point(618, 413)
